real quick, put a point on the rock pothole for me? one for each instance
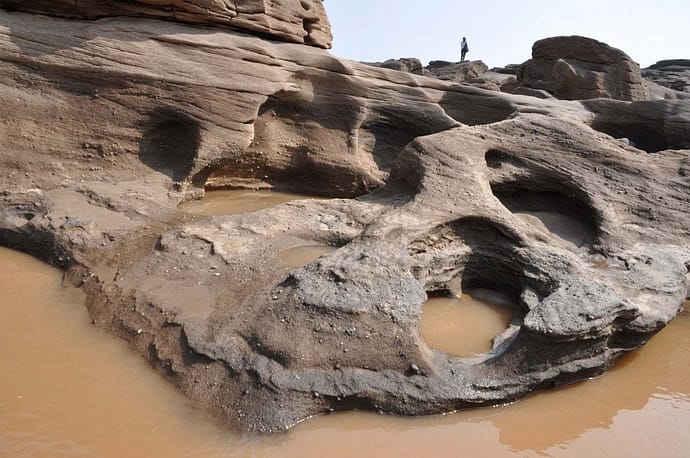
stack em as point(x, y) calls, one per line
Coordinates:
point(549, 204)
point(465, 326)
point(302, 255)
point(465, 254)
point(551, 212)
point(170, 143)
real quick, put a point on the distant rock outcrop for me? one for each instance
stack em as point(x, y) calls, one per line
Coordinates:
point(298, 21)
point(456, 71)
point(404, 64)
point(579, 68)
point(672, 74)
point(459, 72)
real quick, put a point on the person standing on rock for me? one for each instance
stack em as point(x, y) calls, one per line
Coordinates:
point(463, 49)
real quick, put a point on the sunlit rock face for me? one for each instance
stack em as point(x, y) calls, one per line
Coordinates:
point(298, 21)
point(434, 188)
point(578, 68)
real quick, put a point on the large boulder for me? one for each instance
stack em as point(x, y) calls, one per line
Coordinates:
point(299, 21)
point(579, 68)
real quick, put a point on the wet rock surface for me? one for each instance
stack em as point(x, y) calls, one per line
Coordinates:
point(436, 188)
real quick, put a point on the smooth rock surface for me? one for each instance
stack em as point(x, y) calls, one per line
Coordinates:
point(107, 126)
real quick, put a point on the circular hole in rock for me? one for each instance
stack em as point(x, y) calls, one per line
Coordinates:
point(300, 256)
point(465, 326)
point(233, 201)
point(170, 143)
point(562, 215)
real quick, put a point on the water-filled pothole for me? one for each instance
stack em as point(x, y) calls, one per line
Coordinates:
point(465, 326)
point(300, 256)
point(233, 201)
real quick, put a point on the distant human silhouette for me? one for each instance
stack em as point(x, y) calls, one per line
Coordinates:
point(463, 49)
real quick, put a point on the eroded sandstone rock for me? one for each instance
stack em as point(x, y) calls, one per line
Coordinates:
point(299, 21)
point(579, 68)
point(669, 79)
point(438, 187)
point(404, 64)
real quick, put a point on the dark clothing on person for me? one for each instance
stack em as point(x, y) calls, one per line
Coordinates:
point(463, 49)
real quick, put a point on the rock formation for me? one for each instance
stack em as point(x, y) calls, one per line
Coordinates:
point(473, 73)
point(435, 187)
point(671, 74)
point(456, 71)
point(299, 21)
point(578, 68)
point(404, 64)
point(460, 72)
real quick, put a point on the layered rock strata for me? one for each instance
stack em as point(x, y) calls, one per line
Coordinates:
point(671, 74)
point(434, 188)
point(298, 21)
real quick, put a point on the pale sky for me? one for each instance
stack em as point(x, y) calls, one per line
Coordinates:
point(501, 32)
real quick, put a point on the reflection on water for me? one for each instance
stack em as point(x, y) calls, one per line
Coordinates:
point(68, 389)
point(300, 256)
point(464, 326)
point(230, 202)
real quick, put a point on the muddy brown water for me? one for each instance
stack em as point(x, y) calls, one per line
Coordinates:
point(300, 256)
point(69, 389)
point(463, 326)
point(233, 201)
